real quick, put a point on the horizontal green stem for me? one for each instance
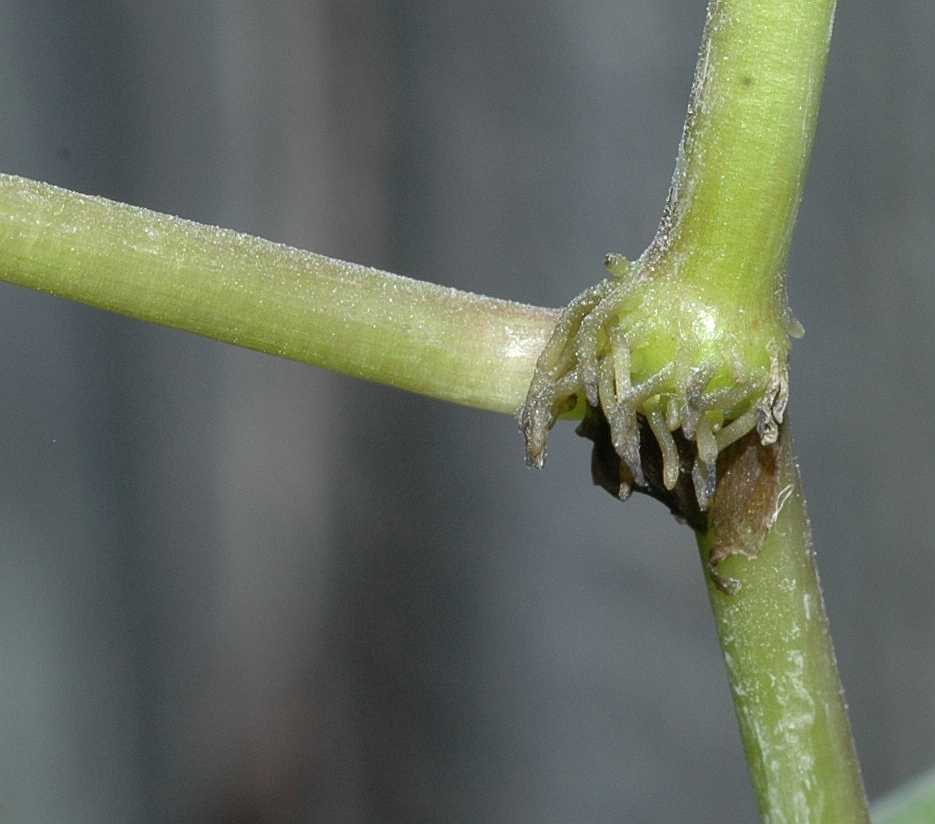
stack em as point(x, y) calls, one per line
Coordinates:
point(429, 339)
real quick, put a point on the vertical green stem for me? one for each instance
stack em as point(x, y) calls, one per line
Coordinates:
point(726, 231)
point(746, 146)
point(783, 676)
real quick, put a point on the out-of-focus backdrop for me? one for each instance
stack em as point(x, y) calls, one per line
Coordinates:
point(237, 589)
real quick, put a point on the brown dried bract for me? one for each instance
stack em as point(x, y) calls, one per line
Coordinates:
point(746, 500)
point(745, 503)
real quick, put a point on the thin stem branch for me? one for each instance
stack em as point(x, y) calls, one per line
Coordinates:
point(232, 287)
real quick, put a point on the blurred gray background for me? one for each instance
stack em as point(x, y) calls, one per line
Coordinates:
point(237, 589)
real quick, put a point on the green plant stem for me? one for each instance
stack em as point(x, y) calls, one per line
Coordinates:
point(746, 146)
point(429, 339)
point(726, 229)
point(784, 681)
point(727, 226)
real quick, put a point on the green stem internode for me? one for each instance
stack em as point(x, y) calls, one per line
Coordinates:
point(783, 676)
point(232, 287)
point(745, 148)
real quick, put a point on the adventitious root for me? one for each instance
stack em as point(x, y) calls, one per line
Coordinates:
point(644, 345)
